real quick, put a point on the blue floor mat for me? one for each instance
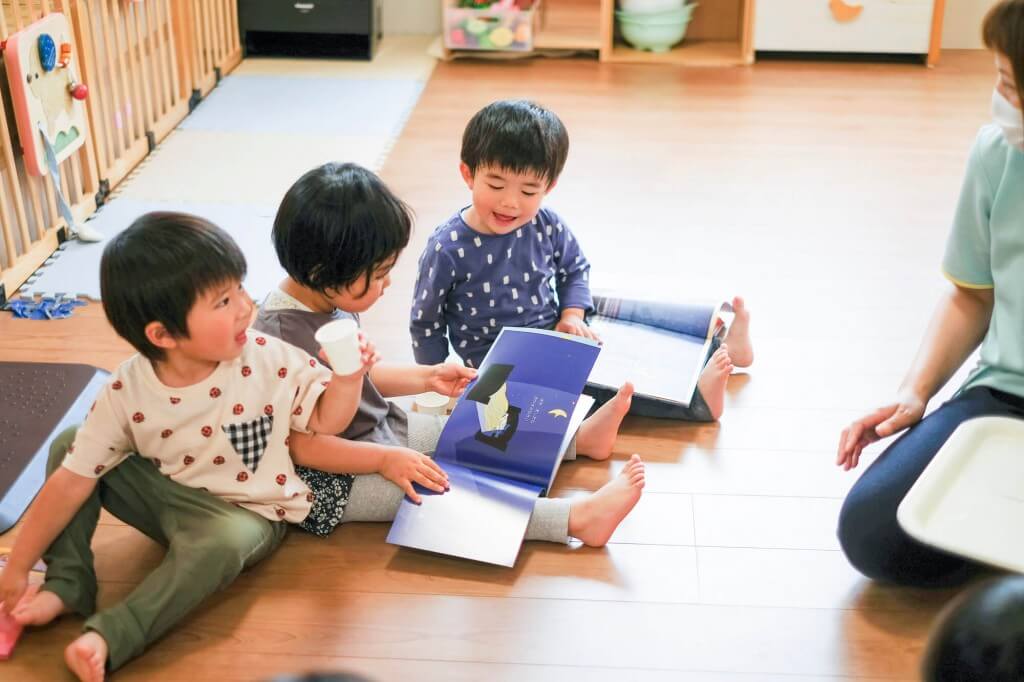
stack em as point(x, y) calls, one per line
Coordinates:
point(314, 106)
point(74, 269)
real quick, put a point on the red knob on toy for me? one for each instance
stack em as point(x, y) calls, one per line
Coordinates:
point(80, 91)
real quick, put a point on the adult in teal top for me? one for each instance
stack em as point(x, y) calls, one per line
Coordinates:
point(984, 252)
point(984, 306)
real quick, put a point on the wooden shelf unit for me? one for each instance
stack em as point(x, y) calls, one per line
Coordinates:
point(721, 33)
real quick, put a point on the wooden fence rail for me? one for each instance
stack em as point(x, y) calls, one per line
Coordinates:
point(146, 63)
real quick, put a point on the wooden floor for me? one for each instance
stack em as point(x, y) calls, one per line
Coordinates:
point(820, 191)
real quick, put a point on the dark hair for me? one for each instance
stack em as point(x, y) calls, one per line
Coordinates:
point(517, 136)
point(1003, 31)
point(156, 269)
point(337, 223)
point(979, 636)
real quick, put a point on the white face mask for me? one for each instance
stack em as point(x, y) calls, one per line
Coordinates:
point(1009, 118)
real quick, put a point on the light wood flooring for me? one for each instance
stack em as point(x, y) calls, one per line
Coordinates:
point(820, 191)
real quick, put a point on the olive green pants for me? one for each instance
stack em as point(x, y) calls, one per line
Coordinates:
point(209, 542)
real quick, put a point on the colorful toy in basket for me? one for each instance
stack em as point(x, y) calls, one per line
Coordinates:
point(48, 100)
point(489, 25)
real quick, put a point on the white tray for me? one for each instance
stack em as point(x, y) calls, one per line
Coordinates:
point(970, 499)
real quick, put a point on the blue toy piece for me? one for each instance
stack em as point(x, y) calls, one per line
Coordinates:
point(45, 309)
point(47, 52)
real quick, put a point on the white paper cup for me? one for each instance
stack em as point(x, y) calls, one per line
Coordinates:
point(431, 403)
point(340, 341)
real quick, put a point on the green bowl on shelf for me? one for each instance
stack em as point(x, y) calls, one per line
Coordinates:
point(655, 31)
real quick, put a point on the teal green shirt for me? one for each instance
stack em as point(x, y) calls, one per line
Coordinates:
point(986, 251)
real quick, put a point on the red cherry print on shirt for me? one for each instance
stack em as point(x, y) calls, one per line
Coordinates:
point(117, 385)
point(282, 373)
point(189, 459)
point(99, 469)
point(175, 401)
point(298, 411)
point(312, 362)
point(246, 370)
point(242, 477)
point(281, 478)
point(238, 409)
point(214, 392)
point(207, 431)
point(268, 410)
point(218, 460)
point(138, 417)
point(166, 433)
point(280, 512)
point(260, 341)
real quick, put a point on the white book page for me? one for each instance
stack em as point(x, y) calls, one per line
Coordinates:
point(661, 364)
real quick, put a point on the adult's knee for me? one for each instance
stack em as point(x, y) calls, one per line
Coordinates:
point(59, 448)
point(864, 536)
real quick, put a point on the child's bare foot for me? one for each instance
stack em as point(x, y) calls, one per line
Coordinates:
point(741, 351)
point(87, 657)
point(713, 379)
point(38, 607)
point(597, 434)
point(595, 518)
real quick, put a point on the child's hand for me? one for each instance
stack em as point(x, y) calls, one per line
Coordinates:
point(13, 583)
point(449, 379)
point(883, 422)
point(369, 353)
point(403, 467)
point(576, 326)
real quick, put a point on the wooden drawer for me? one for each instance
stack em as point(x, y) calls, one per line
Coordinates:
point(305, 16)
point(882, 26)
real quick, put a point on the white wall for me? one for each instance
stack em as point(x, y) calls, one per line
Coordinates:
point(414, 16)
point(962, 26)
point(961, 29)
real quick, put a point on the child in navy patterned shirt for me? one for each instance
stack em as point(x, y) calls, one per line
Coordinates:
point(505, 261)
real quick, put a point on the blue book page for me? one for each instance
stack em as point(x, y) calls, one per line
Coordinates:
point(481, 517)
point(513, 419)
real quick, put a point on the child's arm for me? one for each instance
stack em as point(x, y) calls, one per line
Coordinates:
point(958, 326)
point(51, 512)
point(401, 466)
point(428, 324)
point(338, 403)
point(447, 379)
point(572, 275)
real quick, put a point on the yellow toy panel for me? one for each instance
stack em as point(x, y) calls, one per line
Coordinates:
point(45, 91)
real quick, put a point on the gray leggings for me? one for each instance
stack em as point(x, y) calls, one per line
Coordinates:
point(375, 498)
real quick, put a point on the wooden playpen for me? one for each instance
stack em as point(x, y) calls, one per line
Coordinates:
point(146, 63)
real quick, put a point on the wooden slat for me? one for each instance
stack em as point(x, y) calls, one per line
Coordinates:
point(144, 62)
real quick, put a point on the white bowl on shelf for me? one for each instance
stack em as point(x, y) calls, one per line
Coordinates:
point(649, 6)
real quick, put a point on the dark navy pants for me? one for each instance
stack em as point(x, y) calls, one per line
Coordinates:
point(868, 532)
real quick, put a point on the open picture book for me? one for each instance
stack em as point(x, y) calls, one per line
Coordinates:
point(660, 347)
point(502, 446)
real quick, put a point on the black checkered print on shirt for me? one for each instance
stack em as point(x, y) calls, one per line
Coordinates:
point(250, 439)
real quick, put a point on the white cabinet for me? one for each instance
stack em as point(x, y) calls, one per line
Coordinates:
point(870, 26)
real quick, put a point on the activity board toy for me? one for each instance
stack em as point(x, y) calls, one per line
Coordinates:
point(49, 102)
